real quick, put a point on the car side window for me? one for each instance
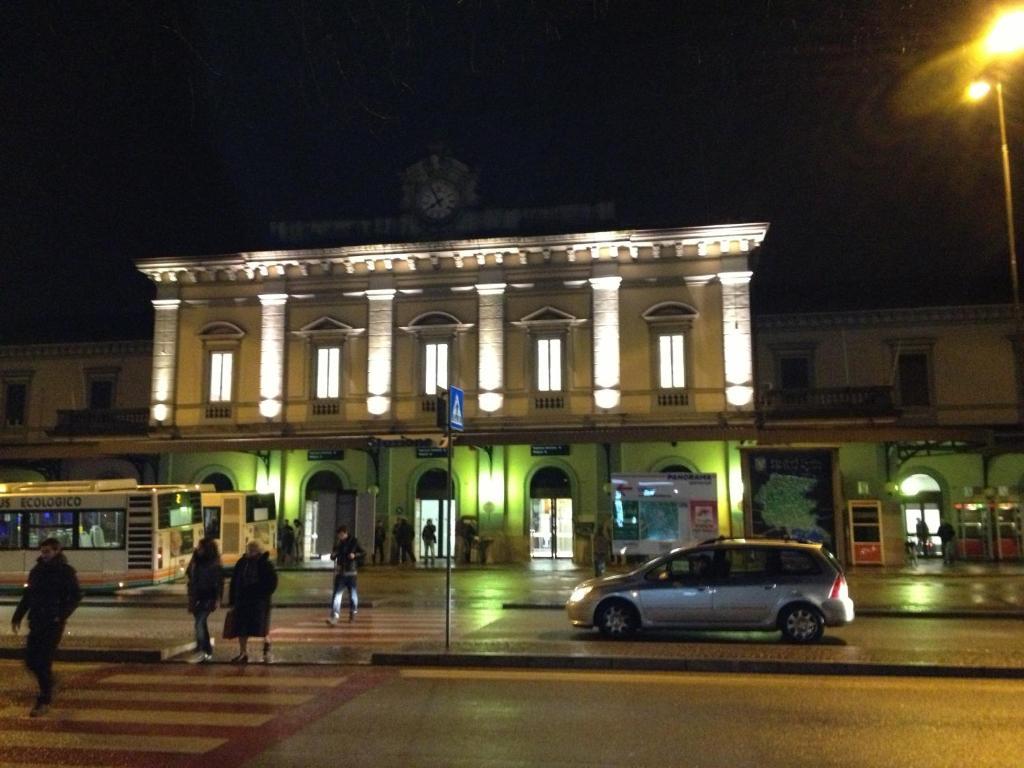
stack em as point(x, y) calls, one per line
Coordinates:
point(744, 564)
point(689, 568)
point(793, 562)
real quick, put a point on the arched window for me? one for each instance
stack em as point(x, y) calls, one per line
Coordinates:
point(219, 481)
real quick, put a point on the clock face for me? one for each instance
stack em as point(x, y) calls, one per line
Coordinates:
point(437, 199)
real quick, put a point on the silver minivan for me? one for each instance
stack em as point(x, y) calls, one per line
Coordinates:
point(797, 587)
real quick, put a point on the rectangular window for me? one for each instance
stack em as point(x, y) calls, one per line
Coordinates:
point(794, 372)
point(15, 398)
point(914, 386)
point(435, 367)
point(221, 364)
point(10, 530)
point(101, 394)
point(671, 363)
point(45, 525)
point(328, 373)
point(549, 365)
point(101, 529)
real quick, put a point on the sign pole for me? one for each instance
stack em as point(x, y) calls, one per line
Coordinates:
point(448, 530)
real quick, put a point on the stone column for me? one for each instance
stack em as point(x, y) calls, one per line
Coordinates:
point(736, 339)
point(165, 359)
point(272, 354)
point(606, 340)
point(491, 352)
point(379, 350)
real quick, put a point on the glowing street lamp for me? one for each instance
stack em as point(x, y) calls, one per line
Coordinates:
point(1004, 38)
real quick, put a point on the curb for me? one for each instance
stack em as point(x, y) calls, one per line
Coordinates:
point(632, 664)
point(113, 655)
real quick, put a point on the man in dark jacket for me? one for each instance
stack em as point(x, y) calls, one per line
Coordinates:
point(346, 555)
point(50, 598)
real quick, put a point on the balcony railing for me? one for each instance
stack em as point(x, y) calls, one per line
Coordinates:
point(828, 403)
point(109, 421)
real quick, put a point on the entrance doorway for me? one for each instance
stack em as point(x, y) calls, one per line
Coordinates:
point(431, 499)
point(551, 514)
point(922, 499)
point(327, 505)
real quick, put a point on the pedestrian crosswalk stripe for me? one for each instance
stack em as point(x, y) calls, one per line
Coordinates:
point(149, 717)
point(157, 698)
point(111, 742)
point(236, 677)
point(4, 764)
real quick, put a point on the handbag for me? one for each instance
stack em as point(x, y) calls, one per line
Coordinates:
point(230, 631)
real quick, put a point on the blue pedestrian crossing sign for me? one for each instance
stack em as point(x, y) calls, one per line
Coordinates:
point(456, 399)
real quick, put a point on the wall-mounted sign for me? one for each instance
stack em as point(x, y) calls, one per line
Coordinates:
point(791, 493)
point(549, 450)
point(431, 452)
point(326, 454)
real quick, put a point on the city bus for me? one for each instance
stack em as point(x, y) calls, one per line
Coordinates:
point(119, 534)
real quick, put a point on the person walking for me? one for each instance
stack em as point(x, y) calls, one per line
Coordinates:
point(347, 554)
point(405, 537)
point(429, 536)
point(947, 535)
point(923, 537)
point(300, 543)
point(601, 547)
point(205, 592)
point(468, 538)
point(380, 536)
point(253, 581)
point(285, 555)
point(49, 599)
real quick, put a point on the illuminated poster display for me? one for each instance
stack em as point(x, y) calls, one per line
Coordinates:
point(653, 513)
point(791, 494)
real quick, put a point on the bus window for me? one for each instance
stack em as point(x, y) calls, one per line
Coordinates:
point(211, 522)
point(44, 525)
point(101, 529)
point(10, 530)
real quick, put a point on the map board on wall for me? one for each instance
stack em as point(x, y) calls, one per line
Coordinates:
point(652, 513)
point(791, 493)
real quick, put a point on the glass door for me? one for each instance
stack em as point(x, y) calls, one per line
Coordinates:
point(551, 528)
point(540, 527)
point(563, 528)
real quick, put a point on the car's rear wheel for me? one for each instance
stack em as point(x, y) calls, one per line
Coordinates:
point(802, 624)
point(617, 619)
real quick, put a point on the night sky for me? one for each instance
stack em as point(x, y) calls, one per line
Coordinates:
point(139, 129)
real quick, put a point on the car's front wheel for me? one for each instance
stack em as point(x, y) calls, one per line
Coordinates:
point(618, 619)
point(802, 624)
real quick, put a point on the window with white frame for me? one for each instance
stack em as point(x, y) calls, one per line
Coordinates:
point(328, 373)
point(670, 324)
point(671, 361)
point(221, 370)
point(435, 366)
point(549, 364)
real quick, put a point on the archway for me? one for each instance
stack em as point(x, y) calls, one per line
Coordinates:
point(431, 501)
point(922, 501)
point(551, 514)
point(326, 505)
point(678, 469)
point(219, 481)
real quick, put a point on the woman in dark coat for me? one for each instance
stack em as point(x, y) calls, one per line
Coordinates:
point(252, 583)
point(205, 591)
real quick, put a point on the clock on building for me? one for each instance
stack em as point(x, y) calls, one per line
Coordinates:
point(437, 199)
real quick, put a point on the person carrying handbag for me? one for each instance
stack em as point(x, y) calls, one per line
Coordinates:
point(253, 581)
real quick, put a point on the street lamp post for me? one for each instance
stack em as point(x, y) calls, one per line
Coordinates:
point(1007, 37)
point(1012, 241)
